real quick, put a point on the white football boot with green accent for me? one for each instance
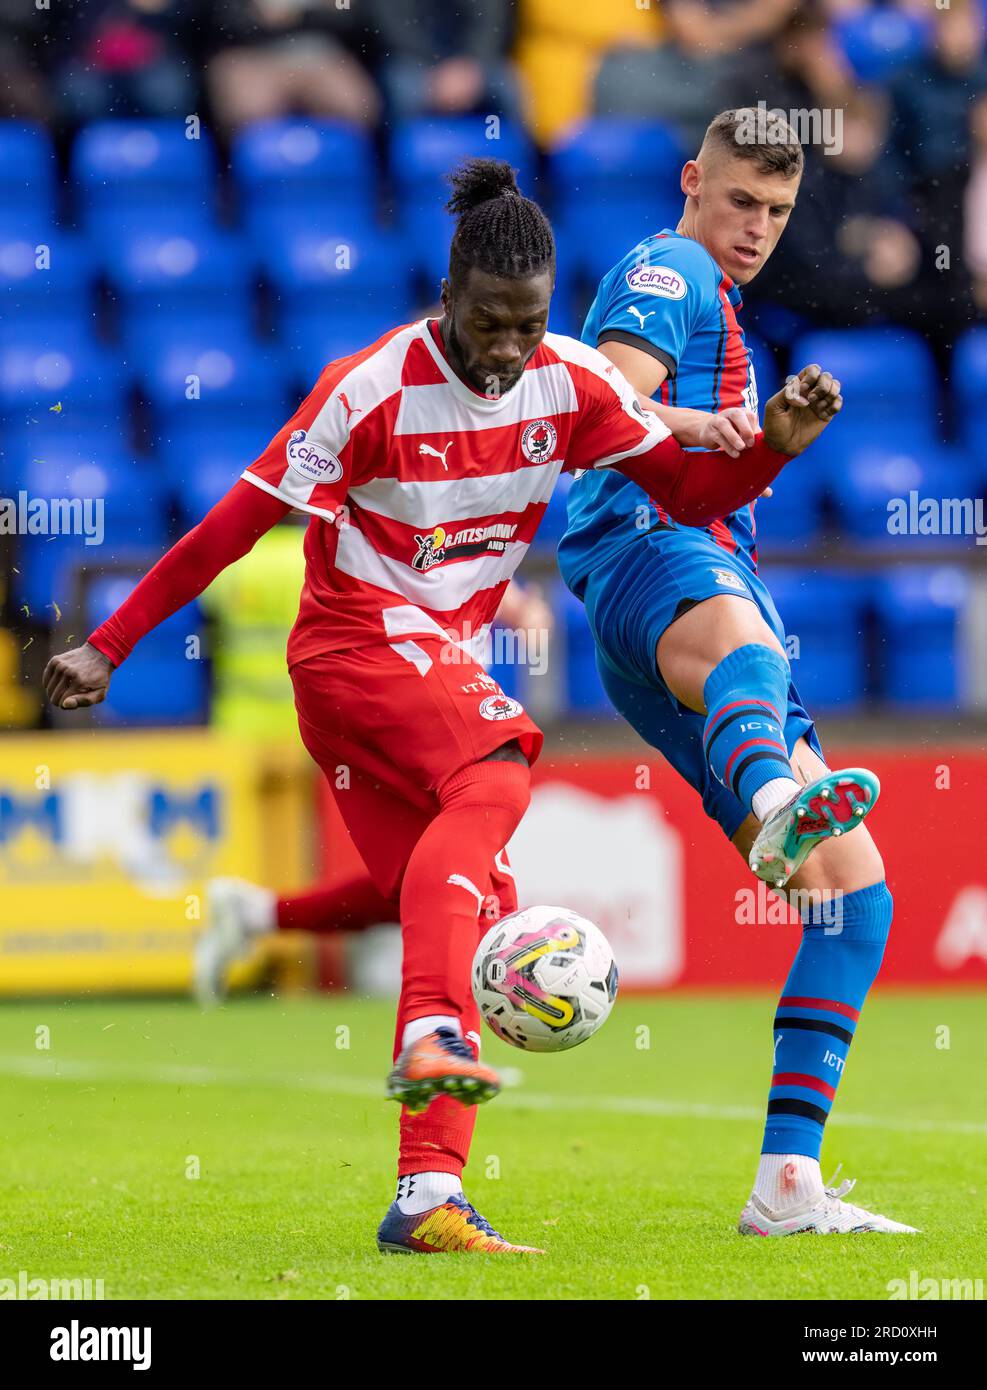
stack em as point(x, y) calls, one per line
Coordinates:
point(830, 806)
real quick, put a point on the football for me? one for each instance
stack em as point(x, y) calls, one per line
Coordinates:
point(545, 979)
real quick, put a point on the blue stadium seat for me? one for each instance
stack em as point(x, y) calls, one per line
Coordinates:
point(165, 281)
point(614, 182)
point(776, 322)
point(54, 301)
point(62, 436)
point(566, 315)
point(968, 380)
point(303, 173)
point(889, 381)
point(337, 293)
point(921, 610)
point(792, 517)
point(312, 342)
point(132, 521)
point(872, 489)
point(878, 41)
point(203, 465)
point(213, 381)
point(39, 376)
point(583, 692)
point(823, 613)
point(422, 153)
point(131, 175)
point(159, 683)
point(767, 370)
point(27, 176)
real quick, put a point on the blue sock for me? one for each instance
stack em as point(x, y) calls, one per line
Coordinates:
point(842, 947)
point(746, 703)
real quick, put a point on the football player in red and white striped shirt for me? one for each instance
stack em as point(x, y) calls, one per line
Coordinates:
point(426, 462)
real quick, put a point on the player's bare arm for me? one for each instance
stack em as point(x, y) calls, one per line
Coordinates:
point(732, 430)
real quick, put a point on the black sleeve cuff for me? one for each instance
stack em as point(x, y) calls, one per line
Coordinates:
point(617, 335)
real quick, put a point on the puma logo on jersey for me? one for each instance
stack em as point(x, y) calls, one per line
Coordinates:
point(434, 453)
point(633, 309)
point(351, 410)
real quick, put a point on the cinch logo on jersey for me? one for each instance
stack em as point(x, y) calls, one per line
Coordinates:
point(439, 545)
point(538, 441)
point(656, 279)
point(315, 464)
point(500, 707)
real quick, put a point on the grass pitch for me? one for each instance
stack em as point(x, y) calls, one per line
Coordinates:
point(249, 1153)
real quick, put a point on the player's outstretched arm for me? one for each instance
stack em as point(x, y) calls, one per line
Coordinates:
point(79, 678)
point(696, 488)
point(732, 430)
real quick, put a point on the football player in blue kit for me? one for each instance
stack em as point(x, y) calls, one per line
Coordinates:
point(691, 650)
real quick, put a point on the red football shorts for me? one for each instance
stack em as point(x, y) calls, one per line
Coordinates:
point(388, 724)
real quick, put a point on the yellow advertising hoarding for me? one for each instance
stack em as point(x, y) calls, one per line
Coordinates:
point(107, 840)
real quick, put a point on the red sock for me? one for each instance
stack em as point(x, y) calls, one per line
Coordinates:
point(350, 906)
point(442, 923)
point(447, 884)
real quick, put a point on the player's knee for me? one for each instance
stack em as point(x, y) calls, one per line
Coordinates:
point(842, 866)
point(862, 917)
point(509, 752)
point(500, 784)
point(753, 674)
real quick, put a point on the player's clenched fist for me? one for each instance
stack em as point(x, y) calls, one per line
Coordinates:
point(732, 430)
point(799, 413)
point(77, 678)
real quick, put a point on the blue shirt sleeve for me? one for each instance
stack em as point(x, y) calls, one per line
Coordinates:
point(656, 298)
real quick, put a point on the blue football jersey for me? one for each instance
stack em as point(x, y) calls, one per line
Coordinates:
point(667, 297)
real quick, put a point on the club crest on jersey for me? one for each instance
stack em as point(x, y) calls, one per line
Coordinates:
point(658, 280)
point(538, 441)
point(314, 464)
point(729, 580)
point(500, 707)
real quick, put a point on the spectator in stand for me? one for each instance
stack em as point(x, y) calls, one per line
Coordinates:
point(278, 56)
point(446, 56)
point(561, 44)
point(124, 58)
point(939, 107)
point(851, 250)
point(855, 253)
point(975, 209)
point(24, 30)
point(686, 78)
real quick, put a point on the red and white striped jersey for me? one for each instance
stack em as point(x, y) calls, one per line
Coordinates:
point(424, 494)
